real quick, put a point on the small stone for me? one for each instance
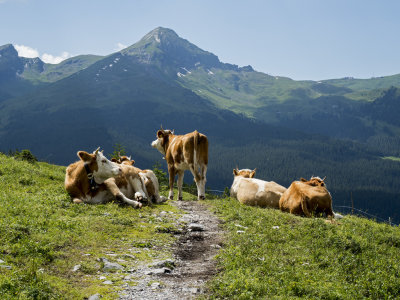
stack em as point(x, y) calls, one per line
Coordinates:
point(275, 227)
point(95, 297)
point(215, 246)
point(6, 267)
point(2, 261)
point(76, 268)
point(240, 231)
point(108, 282)
point(191, 290)
point(131, 271)
point(156, 285)
point(168, 263)
point(102, 277)
point(196, 227)
point(128, 277)
point(108, 266)
point(241, 226)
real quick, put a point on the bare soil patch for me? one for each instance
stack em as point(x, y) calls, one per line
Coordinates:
point(193, 264)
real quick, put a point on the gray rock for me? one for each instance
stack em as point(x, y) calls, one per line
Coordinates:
point(158, 271)
point(108, 282)
point(76, 268)
point(95, 297)
point(2, 261)
point(168, 263)
point(6, 267)
point(156, 285)
point(196, 227)
point(110, 266)
point(193, 290)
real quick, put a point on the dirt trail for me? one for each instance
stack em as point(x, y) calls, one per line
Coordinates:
point(184, 276)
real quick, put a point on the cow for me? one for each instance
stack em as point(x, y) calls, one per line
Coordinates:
point(94, 179)
point(184, 152)
point(307, 198)
point(148, 177)
point(255, 192)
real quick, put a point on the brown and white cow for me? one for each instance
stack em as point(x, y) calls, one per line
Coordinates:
point(184, 152)
point(308, 197)
point(94, 179)
point(255, 192)
point(149, 179)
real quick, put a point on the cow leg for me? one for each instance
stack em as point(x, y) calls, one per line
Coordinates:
point(180, 183)
point(115, 191)
point(171, 171)
point(137, 185)
point(197, 179)
point(201, 190)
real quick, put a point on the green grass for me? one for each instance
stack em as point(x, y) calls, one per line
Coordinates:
point(43, 236)
point(392, 158)
point(274, 255)
point(267, 254)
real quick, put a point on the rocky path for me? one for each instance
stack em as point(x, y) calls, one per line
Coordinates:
point(184, 276)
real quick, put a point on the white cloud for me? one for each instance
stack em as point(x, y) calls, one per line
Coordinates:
point(25, 51)
point(120, 46)
point(50, 59)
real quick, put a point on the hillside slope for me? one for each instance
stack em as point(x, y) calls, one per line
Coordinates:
point(51, 248)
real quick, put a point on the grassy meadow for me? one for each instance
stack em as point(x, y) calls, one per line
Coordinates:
point(267, 254)
point(43, 236)
point(275, 255)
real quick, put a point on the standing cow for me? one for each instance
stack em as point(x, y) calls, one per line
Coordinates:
point(255, 192)
point(184, 152)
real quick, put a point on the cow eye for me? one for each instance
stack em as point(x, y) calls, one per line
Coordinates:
point(103, 161)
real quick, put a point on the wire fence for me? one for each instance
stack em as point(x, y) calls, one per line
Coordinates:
point(368, 215)
point(364, 213)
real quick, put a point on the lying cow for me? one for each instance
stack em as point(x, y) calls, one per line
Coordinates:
point(184, 152)
point(255, 192)
point(149, 179)
point(307, 197)
point(94, 179)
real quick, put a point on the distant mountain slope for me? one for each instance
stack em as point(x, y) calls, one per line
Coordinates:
point(20, 75)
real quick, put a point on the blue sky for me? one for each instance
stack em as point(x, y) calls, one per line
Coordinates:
point(309, 39)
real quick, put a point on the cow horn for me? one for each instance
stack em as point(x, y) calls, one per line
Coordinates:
point(96, 151)
point(161, 127)
point(324, 178)
point(173, 131)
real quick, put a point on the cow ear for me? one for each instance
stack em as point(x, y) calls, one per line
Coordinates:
point(303, 180)
point(114, 159)
point(253, 173)
point(160, 134)
point(132, 162)
point(84, 156)
point(235, 172)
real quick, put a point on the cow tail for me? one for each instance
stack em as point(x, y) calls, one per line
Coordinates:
point(195, 145)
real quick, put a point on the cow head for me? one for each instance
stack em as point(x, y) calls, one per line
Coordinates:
point(101, 167)
point(314, 181)
point(162, 140)
point(125, 160)
point(246, 173)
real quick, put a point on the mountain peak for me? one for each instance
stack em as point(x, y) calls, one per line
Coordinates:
point(160, 34)
point(8, 50)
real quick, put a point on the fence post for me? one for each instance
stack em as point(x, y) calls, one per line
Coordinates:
point(352, 203)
